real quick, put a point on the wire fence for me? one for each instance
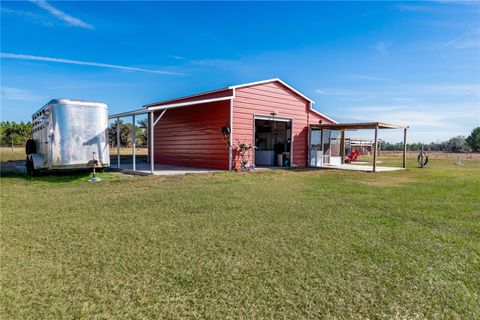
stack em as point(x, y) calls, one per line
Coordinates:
point(434, 154)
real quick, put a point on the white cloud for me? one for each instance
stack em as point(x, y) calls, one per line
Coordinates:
point(403, 92)
point(467, 40)
point(441, 121)
point(19, 95)
point(346, 95)
point(84, 63)
point(338, 92)
point(221, 63)
point(382, 46)
point(176, 57)
point(368, 77)
point(415, 8)
point(35, 18)
point(413, 118)
point(450, 89)
point(433, 111)
point(62, 15)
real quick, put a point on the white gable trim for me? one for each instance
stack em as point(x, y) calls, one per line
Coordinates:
point(272, 80)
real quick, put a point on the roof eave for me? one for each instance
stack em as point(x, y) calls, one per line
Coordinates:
point(155, 104)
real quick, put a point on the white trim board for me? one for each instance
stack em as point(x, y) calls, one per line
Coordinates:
point(272, 118)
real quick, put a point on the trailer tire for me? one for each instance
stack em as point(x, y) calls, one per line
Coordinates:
point(30, 167)
point(30, 147)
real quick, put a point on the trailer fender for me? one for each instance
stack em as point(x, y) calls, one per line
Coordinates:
point(37, 160)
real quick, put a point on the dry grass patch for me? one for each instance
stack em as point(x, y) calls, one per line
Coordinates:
point(392, 179)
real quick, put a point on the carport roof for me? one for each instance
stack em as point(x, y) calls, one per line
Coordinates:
point(358, 125)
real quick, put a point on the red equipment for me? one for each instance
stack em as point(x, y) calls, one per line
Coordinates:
point(352, 157)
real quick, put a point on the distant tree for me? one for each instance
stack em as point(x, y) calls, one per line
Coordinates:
point(473, 140)
point(117, 125)
point(126, 134)
point(15, 133)
point(456, 144)
point(143, 136)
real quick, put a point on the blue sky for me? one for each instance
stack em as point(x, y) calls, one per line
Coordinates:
point(415, 63)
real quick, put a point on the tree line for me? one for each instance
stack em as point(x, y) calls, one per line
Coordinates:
point(454, 144)
point(13, 133)
point(17, 134)
point(126, 130)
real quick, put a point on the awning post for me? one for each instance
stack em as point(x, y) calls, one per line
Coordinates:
point(342, 147)
point(309, 147)
point(405, 148)
point(152, 166)
point(118, 142)
point(375, 146)
point(134, 167)
point(321, 147)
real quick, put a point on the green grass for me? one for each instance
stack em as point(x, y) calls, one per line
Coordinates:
point(277, 244)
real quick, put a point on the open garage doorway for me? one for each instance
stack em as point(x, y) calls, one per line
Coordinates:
point(273, 141)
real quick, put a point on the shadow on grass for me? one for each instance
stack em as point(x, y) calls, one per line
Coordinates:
point(128, 158)
point(10, 172)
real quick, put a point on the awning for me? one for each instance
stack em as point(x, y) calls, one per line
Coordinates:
point(358, 125)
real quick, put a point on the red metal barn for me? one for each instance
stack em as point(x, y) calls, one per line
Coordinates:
point(269, 114)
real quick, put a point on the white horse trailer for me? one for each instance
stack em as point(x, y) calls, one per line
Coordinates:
point(66, 133)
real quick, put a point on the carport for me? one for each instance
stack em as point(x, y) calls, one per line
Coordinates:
point(151, 167)
point(323, 136)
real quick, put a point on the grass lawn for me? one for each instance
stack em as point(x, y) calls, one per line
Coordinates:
point(273, 244)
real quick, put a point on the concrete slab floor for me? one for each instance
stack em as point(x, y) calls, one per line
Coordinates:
point(143, 168)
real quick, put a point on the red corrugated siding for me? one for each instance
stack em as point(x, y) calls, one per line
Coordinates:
point(191, 136)
point(264, 99)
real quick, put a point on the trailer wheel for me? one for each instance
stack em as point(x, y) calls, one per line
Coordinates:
point(30, 167)
point(30, 147)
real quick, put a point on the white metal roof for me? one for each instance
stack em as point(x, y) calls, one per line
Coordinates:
point(230, 88)
point(165, 104)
